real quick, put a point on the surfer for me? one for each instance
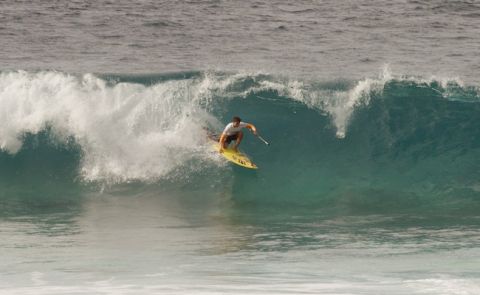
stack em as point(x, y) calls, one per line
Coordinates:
point(233, 131)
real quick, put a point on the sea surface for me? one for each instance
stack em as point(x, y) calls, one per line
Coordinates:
point(370, 184)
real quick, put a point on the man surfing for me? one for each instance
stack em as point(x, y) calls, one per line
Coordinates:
point(233, 131)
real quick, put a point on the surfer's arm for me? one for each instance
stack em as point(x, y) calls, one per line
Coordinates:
point(252, 128)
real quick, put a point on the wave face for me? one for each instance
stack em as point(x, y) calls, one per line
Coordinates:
point(389, 144)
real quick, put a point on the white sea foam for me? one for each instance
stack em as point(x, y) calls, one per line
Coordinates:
point(250, 285)
point(126, 131)
point(445, 285)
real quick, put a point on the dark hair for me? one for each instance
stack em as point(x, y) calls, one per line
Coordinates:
point(236, 119)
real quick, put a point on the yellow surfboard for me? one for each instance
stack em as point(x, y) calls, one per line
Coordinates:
point(235, 157)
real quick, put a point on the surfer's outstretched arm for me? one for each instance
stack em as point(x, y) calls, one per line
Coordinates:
point(252, 128)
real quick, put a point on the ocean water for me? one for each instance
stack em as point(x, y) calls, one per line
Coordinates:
point(370, 184)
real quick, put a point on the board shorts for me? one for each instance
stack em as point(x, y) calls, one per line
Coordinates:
point(231, 138)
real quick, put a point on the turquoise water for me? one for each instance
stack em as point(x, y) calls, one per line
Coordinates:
point(108, 185)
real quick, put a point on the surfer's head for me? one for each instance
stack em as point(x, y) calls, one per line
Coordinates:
point(236, 121)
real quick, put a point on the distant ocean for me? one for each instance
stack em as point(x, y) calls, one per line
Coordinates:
point(370, 184)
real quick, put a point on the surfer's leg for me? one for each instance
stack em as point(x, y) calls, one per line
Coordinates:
point(228, 140)
point(239, 140)
point(226, 143)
